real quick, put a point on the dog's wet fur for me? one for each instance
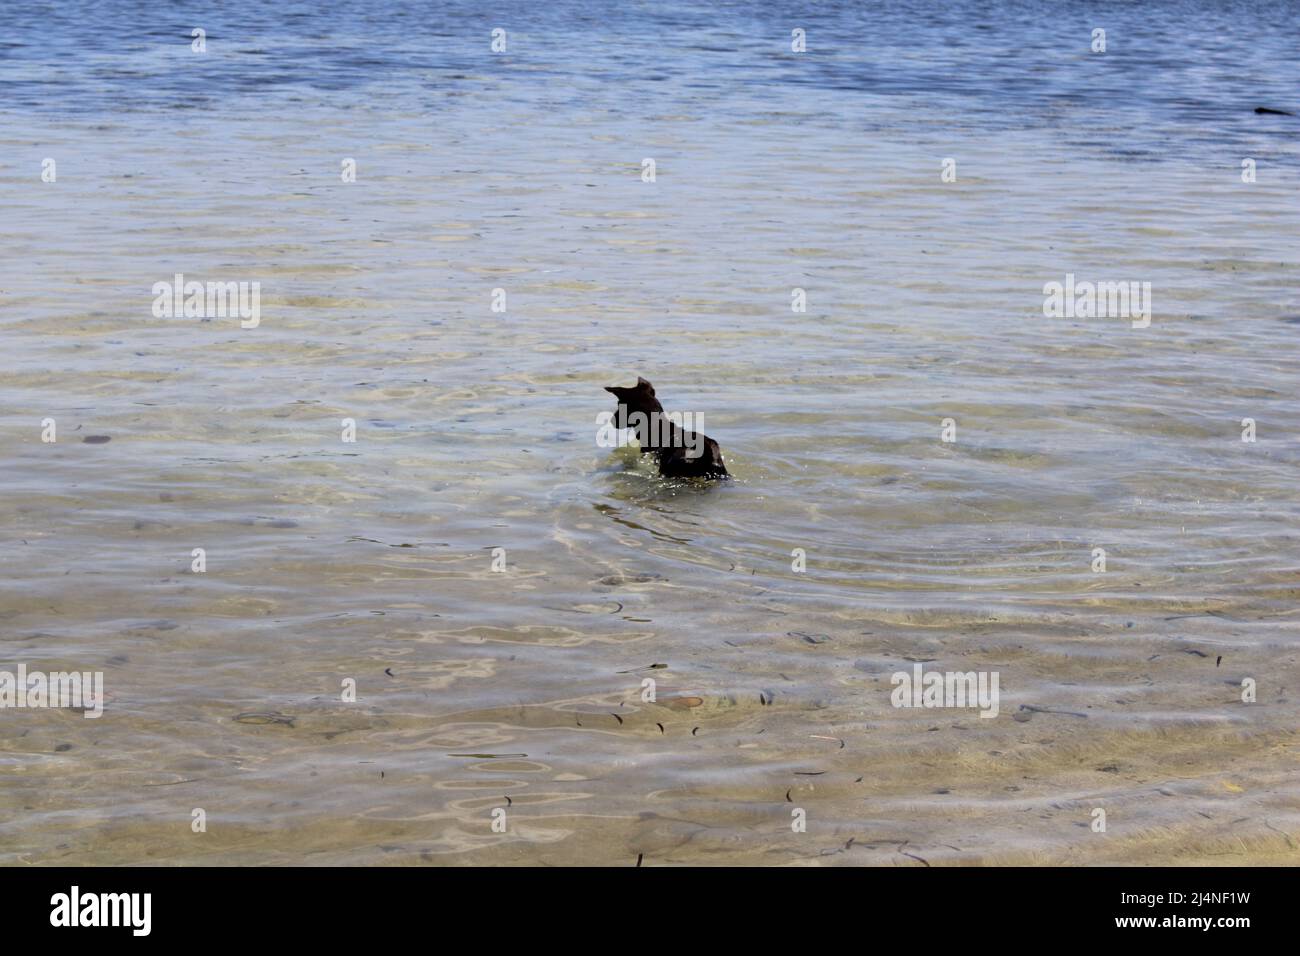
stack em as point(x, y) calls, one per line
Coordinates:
point(674, 457)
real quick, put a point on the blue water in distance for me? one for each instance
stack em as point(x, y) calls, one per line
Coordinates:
point(1174, 75)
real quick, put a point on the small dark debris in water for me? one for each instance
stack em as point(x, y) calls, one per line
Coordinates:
point(941, 790)
point(1022, 716)
point(618, 718)
point(509, 802)
point(487, 756)
point(810, 638)
point(913, 856)
point(762, 698)
point(381, 775)
point(661, 728)
point(809, 773)
point(694, 731)
point(1048, 710)
point(615, 580)
point(920, 660)
point(639, 857)
point(1129, 624)
point(1192, 650)
point(1109, 768)
point(787, 796)
point(1218, 660)
point(389, 672)
point(648, 667)
point(97, 439)
point(62, 748)
point(859, 780)
point(260, 719)
point(1269, 111)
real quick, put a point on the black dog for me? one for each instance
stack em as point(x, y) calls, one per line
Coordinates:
point(681, 454)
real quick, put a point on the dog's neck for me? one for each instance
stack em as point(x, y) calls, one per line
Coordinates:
point(653, 427)
point(663, 436)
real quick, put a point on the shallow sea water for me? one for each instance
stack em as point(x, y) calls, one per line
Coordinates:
point(477, 430)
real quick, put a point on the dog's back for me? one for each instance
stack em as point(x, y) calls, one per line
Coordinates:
point(676, 463)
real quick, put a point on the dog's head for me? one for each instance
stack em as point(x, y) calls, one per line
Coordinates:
point(639, 398)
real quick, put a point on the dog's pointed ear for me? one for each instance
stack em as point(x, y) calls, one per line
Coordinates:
point(644, 385)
